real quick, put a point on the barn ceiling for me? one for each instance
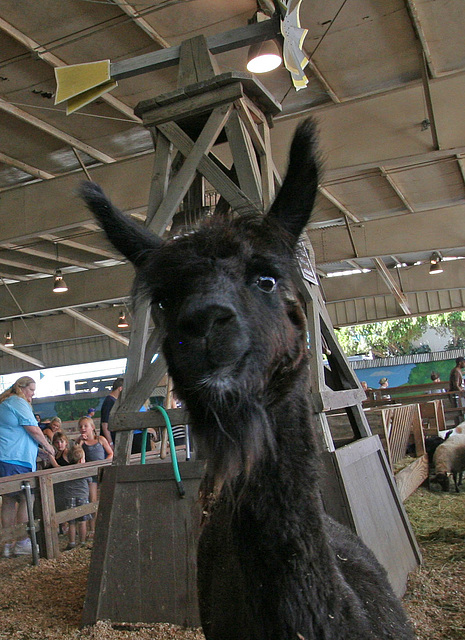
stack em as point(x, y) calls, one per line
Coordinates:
point(386, 83)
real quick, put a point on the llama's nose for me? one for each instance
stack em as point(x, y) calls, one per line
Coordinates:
point(201, 318)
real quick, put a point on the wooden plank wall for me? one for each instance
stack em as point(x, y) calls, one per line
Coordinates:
point(147, 536)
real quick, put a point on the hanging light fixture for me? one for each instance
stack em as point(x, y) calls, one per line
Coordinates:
point(263, 57)
point(122, 322)
point(266, 55)
point(435, 261)
point(59, 285)
point(8, 340)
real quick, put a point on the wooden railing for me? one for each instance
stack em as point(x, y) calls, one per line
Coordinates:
point(421, 394)
point(47, 519)
point(413, 392)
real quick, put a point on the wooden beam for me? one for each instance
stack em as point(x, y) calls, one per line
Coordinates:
point(397, 189)
point(244, 158)
point(9, 276)
point(48, 255)
point(133, 378)
point(142, 23)
point(26, 266)
point(219, 43)
point(393, 286)
point(97, 251)
point(160, 174)
point(16, 112)
point(429, 102)
point(337, 203)
point(242, 106)
point(96, 325)
point(210, 168)
point(405, 233)
point(401, 163)
point(27, 168)
point(420, 35)
point(415, 280)
point(317, 73)
point(179, 185)
point(270, 175)
point(22, 356)
point(53, 60)
point(101, 286)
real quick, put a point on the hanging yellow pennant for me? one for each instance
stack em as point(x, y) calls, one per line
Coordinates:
point(79, 84)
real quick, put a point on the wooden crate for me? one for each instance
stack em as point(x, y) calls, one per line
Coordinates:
point(143, 565)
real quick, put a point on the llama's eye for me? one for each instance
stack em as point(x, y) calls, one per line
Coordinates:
point(266, 283)
point(161, 303)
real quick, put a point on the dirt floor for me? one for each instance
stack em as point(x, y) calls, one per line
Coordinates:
point(45, 602)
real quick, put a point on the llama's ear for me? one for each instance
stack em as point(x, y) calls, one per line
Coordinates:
point(132, 240)
point(294, 202)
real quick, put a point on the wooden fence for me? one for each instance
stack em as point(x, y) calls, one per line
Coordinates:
point(395, 425)
point(47, 519)
point(419, 393)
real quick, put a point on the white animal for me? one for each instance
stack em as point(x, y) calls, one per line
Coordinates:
point(450, 458)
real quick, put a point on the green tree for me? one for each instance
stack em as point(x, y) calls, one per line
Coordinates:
point(389, 338)
point(71, 409)
point(451, 325)
point(421, 372)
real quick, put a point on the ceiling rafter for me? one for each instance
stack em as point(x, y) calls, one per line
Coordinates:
point(353, 264)
point(98, 251)
point(22, 356)
point(397, 189)
point(407, 234)
point(55, 61)
point(392, 285)
point(461, 163)
point(25, 266)
point(49, 255)
point(27, 168)
point(419, 31)
point(329, 196)
point(15, 111)
point(81, 317)
point(399, 164)
point(320, 77)
point(142, 23)
point(9, 276)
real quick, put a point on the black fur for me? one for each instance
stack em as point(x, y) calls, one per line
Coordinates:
point(271, 564)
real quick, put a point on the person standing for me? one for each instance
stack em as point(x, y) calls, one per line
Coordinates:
point(20, 437)
point(456, 385)
point(95, 447)
point(383, 383)
point(107, 406)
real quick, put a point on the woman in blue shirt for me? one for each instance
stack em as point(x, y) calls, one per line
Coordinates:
point(20, 436)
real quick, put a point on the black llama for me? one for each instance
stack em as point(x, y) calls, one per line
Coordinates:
point(271, 564)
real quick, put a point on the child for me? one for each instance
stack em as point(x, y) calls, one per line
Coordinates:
point(76, 493)
point(60, 443)
point(95, 448)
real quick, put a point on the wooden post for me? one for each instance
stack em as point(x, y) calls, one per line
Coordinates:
point(49, 525)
